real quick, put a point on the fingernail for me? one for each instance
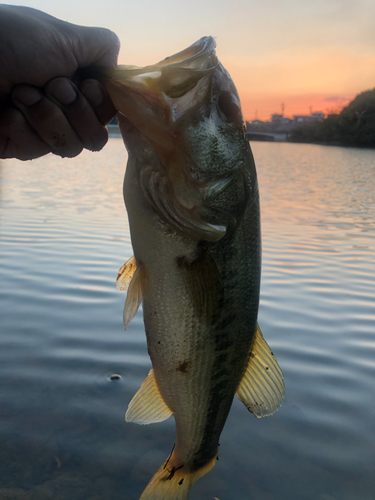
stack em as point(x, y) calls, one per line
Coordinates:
point(27, 95)
point(62, 90)
point(93, 92)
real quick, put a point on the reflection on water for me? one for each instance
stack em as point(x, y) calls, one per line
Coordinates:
point(64, 235)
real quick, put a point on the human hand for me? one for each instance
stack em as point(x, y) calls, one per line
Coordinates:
point(41, 109)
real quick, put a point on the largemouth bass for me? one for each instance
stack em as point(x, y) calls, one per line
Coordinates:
point(192, 198)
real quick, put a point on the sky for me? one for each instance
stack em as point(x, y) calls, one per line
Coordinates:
point(295, 56)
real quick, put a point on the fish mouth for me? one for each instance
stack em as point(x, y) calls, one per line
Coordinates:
point(198, 59)
point(154, 97)
point(194, 57)
point(173, 77)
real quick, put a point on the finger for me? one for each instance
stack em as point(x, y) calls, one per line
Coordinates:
point(79, 113)
point(48, 120)
point(99, 99)
point(18, 139)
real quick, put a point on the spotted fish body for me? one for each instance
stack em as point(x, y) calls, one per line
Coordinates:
point(192, 198)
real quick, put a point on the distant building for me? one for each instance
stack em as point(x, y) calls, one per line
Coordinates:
point(318, 115)
point(302, 119)
point(299, 119)
point(279, 127)
point(256, 123)
point(275, 118)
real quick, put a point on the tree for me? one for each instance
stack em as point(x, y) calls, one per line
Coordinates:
point(357, 120)
point(354, 126)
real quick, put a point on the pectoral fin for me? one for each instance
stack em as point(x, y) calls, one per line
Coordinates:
point(262, 386)
point(125, 274)
point(134, 297)
point(147, 406)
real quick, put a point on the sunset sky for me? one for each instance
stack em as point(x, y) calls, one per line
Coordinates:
point(308, 55)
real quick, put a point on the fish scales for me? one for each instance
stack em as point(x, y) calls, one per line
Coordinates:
point(192, 199)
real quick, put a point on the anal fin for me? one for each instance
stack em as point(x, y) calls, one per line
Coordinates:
point(262, 386)
point(148, 406)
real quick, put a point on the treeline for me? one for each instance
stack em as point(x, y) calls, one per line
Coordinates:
point(354, 126)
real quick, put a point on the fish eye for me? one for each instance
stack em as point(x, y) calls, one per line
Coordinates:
point(229, 104)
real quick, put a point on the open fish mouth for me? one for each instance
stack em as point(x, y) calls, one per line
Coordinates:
point(175, 75)
point(196, 56)
point(151, 98)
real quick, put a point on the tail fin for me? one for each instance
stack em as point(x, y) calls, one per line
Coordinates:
point(173, 483)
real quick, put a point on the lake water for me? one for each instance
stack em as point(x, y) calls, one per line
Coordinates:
point(64, 235)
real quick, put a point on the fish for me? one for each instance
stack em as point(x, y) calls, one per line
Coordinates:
point(192, 199)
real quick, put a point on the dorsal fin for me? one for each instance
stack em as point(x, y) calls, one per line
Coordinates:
point(262, 386)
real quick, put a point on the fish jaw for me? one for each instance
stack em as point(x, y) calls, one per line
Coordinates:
point(143, 94)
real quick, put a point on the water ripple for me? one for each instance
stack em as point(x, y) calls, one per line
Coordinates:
point(64, 235)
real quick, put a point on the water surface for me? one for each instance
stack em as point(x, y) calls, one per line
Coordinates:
point(64, 234)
